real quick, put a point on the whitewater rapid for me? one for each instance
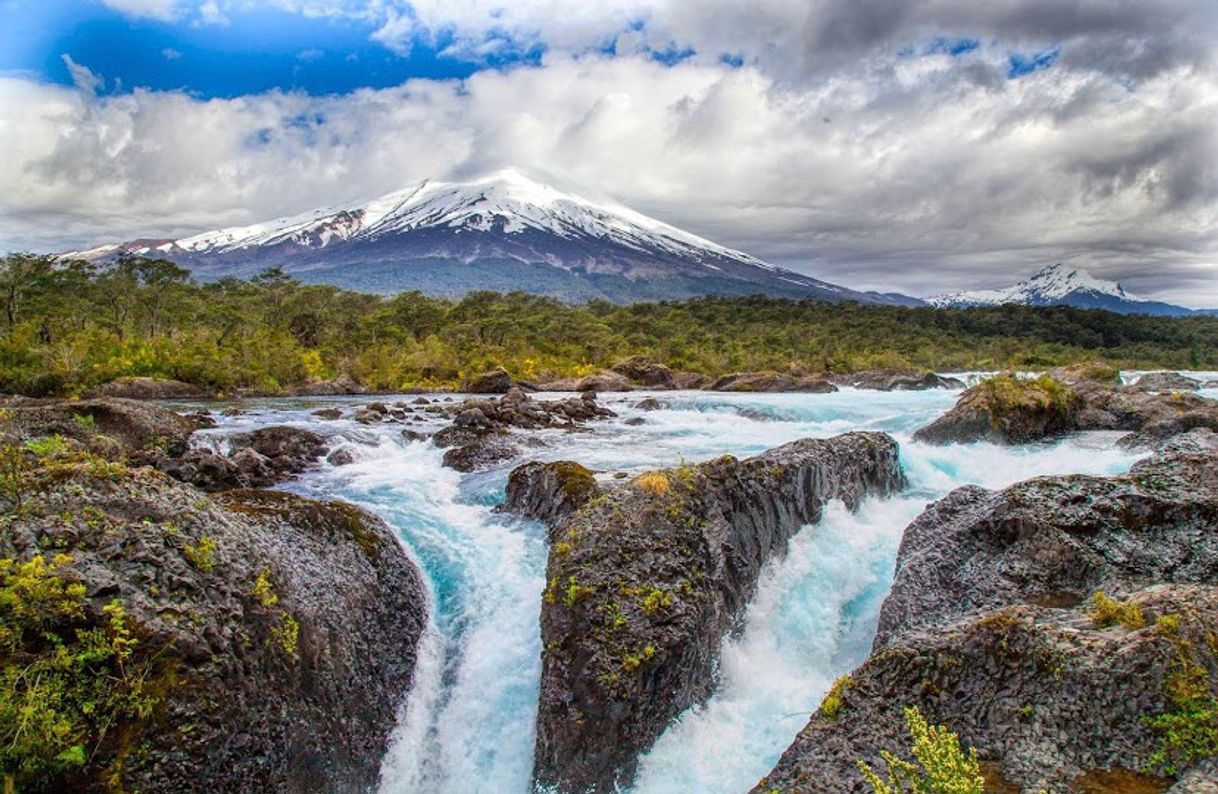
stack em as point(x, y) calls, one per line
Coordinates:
point(468, 724)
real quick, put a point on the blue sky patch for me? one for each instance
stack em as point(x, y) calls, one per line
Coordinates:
point(259, 50)
point(1019, 65)
point(952, 47)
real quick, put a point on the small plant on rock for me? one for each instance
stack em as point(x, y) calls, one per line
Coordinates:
point(939, 765)
point(1107, 611)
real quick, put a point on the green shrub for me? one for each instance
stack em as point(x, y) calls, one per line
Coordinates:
point(67, 676)
point(939, 766)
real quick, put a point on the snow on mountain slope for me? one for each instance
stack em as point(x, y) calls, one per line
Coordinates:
point(501, 231)
point(1060, 285)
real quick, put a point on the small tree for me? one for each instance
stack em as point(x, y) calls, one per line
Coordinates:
point(939, 766)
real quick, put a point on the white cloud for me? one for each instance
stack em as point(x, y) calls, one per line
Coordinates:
point(170, 54)
point(165, 10)
point(82, 77)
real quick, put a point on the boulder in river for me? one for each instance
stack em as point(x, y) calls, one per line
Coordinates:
point(647, 577)
point(1006, 409)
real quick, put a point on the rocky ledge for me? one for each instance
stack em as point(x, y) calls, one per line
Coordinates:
point(1006, 409)
point(645, 579)
point(1064, 628)
point(263, 640)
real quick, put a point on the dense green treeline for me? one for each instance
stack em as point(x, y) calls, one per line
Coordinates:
point(68, 326)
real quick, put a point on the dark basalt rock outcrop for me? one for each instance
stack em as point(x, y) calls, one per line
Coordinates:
point(1009, 410)
point(773, 382)
point(138, 388)
point(548, 492)
point(644, 371)
point(280, 633)
point(990, 629)
point(896, 380)
point(646, 578)
point(1051, 700)
point(1059, 539)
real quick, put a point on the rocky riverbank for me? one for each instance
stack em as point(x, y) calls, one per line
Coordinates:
point(646, 578)
point(251, 640)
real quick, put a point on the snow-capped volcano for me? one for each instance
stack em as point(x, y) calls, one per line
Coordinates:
point(1061, 285)
point(503, 231)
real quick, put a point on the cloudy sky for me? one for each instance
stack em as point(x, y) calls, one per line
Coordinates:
point(883, 144)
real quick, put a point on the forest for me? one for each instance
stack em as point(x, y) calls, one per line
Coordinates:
point(67, 326)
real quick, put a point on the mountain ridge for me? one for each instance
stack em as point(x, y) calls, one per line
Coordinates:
point(501, 231)
point(1062, 285)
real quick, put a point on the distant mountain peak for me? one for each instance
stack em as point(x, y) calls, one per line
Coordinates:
point(502, 230)
point(1060, 285)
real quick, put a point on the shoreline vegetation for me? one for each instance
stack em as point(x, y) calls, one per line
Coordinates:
point(70, 327)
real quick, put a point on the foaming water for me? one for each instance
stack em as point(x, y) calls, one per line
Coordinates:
point(468, 724)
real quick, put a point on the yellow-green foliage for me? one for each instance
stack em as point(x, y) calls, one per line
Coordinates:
point(1189, 731)
point(66, 676)
point(832, 704)
point(1004, 394)
point(939, 765)
point(287, 633)
point(1107, 611)
point(575, 592)
point(655, 600)
point(264, 589)
point(653, 482)
point(201, 555)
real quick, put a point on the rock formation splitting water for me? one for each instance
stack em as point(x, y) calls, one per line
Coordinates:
point(646, 578)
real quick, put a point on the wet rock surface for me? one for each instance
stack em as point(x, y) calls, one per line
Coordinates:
point(646, 578)
point(291, 685)
point(990, 628)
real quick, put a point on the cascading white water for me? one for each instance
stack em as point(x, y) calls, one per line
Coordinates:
point(468, 725)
